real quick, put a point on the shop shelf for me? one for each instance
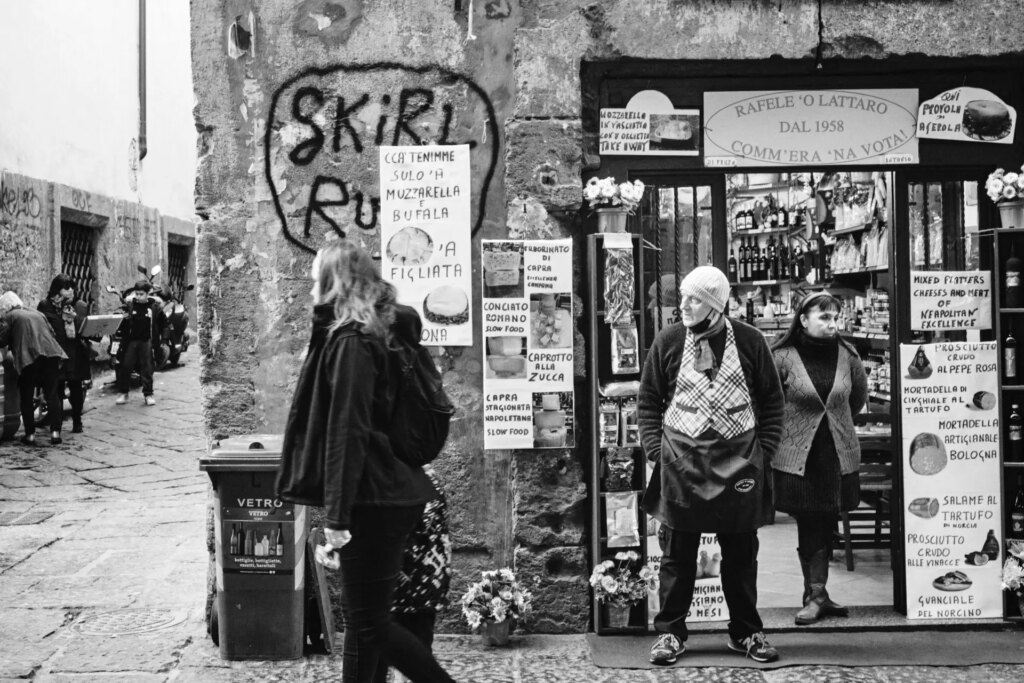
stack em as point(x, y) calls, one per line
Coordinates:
point(865, 335)
point(736, 234)
point(759, 283)
point(855, 228)
point(861, 271)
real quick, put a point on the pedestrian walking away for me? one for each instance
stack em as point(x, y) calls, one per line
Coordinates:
point(710, 417)
point(816, 466)
point(65, 313)
point(36, 356)
point(144, 317)
point(337, 454)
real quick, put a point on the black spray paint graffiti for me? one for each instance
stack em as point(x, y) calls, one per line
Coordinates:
point(325, 128)
point(17, 202)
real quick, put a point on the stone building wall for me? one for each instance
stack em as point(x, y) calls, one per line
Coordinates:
point(505, 76)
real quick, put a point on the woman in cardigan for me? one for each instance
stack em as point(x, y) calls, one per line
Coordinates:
point(816, 465)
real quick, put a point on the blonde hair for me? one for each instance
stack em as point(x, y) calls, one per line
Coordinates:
point(9, 300)
point(344, 275)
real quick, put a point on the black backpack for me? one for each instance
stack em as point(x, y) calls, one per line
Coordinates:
point(422, 411)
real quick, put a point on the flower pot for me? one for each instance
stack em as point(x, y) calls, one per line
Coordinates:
point(495, 633)
point(618, 615)
point(1020, 605)
point(613, 219)
point(1012, 214)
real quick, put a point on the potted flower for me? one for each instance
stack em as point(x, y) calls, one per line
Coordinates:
point(495, 604)
point(1006, 189)
point(1013, 572)
point(620, 584)
point(613, 201)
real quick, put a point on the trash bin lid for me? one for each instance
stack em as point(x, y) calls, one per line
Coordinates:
point(248, 453)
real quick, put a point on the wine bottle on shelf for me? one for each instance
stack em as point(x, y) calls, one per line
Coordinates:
point(733, 269)
point(1011, 279)
point(776, 216)
point(743, 261)
point(1010, 357)
point(1015, 429)
point(783, 216)
point(1016, 529)
point(762, 264)
point(738, 221)
point(783, 262)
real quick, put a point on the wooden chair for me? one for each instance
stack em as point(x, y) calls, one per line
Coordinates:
point(868, 526)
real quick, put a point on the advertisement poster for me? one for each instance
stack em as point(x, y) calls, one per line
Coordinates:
point(967, 115)
point(528, 355)
point(708, 599)
point(819, 127)
point(950, 300)
point(425, 237)
point(951, 480)
point(628, 131)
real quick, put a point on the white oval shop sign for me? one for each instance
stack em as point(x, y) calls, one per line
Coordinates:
point(810, 127)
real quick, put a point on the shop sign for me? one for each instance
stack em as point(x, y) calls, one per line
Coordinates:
point(528, 344)
point(805, 127)
point(951, 490)
point(950, 300)
point(425, 237)
point(967, 115)
point(650, 126)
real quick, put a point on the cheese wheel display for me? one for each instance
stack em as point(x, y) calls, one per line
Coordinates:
point(925, 508)
point(927, 454)
point(446, 305)
point(986, 120)
point(410, 247)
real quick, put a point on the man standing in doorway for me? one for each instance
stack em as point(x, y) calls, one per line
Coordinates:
point(710, 413)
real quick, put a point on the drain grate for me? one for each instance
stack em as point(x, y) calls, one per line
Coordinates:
point(125, 622)
point(19, 518)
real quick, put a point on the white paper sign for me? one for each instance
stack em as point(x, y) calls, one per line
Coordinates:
point(950, 300)
point(967, 115)
point(820, 127)
point(951, 480)
point(528, 344)
point(629, 131)
point(425, 237)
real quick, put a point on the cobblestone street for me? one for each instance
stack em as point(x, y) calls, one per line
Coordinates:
point(103, 570)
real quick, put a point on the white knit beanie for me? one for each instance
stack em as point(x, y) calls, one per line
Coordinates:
point(707, 284)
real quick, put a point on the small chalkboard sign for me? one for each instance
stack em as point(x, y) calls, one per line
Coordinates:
point(318, 588)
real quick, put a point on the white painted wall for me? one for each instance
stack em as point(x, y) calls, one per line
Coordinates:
point(70, 100)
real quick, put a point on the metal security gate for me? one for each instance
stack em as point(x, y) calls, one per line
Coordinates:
point(78, 254)
point(177, 265)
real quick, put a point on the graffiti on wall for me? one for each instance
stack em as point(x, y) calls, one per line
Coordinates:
point(325, 127)
point(19, 202)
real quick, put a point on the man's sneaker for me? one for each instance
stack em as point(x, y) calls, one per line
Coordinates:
point(150, 401)
point(666, 648)
point(121, 400)
point(756, 647)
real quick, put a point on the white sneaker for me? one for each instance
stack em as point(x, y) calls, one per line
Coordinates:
point(121, 400)
point(150, 401)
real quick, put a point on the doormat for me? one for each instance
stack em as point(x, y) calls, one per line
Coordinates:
point(817, 648)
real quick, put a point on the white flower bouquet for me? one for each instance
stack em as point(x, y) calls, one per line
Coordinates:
point(496, 597)
point(618, 583)
point(1013, 569)
point(1003, 186)
point(605, 193)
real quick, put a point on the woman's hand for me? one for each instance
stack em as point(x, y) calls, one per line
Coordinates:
point(337, 538)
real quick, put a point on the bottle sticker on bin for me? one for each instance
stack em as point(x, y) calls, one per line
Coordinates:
point(257, 534)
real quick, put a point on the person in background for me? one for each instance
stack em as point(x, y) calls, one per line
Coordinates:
point(426, 573)
point(37, 357)
point(337, 454)
point(816, 466)
point(65, 313)
point(144, 317)
point(710, 416)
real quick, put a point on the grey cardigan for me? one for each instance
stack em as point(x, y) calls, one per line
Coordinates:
point(805, 410)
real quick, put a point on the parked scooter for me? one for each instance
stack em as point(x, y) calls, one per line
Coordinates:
point(161, 344)
point(176, 333)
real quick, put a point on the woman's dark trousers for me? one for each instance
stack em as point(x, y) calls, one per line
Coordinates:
point(42, 373)
point(370, 564)
point(679, 576)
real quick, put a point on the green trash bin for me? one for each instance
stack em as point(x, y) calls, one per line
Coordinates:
point(261, 552)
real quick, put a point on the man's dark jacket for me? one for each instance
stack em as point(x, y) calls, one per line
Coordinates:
point(336, 453)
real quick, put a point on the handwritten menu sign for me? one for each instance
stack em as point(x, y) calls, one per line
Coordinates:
point(633, 131)
point(950, 300)
point(967, 115)
point(951, 480)
point(425, 237)
point(708, 598)
point(528, 344)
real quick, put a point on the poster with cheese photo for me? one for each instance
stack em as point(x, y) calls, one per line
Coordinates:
point(528, 342)
point(951, 466)
point(425, 216)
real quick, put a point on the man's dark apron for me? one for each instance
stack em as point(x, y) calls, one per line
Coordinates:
point(711, 476)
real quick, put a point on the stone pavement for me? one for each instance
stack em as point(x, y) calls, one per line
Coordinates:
point(103, 568)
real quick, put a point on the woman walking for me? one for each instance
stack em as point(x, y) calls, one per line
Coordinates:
point(816, 466)
point(65, 312)
point(337, 454)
